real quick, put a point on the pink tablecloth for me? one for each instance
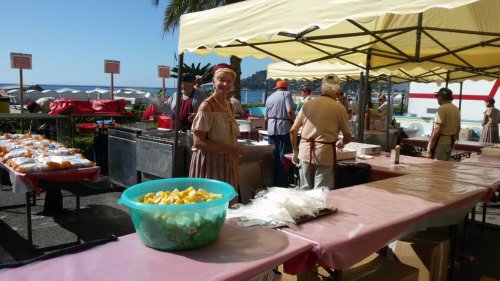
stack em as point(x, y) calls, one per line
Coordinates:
point(382, 167)
point(367, 219)
point(481, 175)
point(238, 254)
point(24, 182)
point(371, 216)
point(483, 160)
point(459, 145)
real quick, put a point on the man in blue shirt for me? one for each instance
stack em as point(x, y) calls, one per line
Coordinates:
point(280, 116)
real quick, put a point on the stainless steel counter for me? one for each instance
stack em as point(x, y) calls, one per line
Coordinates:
point(155, 156)
point(256, 170)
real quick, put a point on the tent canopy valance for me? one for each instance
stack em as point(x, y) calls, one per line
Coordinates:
point(313, 71)
point(450, 34)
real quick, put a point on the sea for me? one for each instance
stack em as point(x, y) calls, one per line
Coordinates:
point(247, 96)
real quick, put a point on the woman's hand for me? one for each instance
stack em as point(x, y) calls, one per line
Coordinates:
point(238, 151)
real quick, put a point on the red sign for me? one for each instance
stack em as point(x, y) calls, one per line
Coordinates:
point(163, 71)
point(112, 66)
point(22, 61)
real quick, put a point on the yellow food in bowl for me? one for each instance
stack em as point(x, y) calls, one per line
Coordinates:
point(176, 197)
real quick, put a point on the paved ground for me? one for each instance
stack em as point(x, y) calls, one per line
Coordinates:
point(102, 216)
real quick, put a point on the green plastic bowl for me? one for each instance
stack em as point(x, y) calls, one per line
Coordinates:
point(178, 227)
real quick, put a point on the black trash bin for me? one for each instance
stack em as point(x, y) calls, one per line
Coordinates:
point(350, 174)
point(101, 150)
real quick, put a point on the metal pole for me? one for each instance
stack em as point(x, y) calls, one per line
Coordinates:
point(402, 102)
point(112, 88)
point(361, 118)
point(447, 78)
point(177, 120)
point(460, 99)
point(389, 114)
point(163, 88)
point(267, 90)
point(21, 89)
point(366, 94)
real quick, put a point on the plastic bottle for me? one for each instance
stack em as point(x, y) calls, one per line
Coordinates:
point(395, 154)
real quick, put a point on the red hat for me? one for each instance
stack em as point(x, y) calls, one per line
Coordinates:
point(306, 90)
point(224, 67)
point(31, 106)
point(281, 84)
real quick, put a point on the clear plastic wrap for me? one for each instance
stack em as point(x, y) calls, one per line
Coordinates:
point(278, 206)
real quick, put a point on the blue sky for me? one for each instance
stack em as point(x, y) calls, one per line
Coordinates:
point(70, 39)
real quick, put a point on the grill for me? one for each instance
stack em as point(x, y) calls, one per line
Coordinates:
point(155, 156)
point(122, 156)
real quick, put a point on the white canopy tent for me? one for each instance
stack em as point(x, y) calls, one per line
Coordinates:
point(313, 71)
point(455, 35)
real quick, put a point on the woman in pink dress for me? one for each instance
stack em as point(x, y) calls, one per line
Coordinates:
point(215, 153)
point(490, 122)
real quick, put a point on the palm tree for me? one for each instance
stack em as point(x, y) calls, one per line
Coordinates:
point(205, 71)
point(176, 8)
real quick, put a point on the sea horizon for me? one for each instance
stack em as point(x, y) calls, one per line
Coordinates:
point(247, 96)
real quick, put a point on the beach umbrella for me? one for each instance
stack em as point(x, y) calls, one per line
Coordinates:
point(49, 92)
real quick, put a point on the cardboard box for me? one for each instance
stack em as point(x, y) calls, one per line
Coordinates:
point(379, 268)
point(428, 251)
point(375, 123)
point(373, 268)
point(465, 134)
point(374, 112)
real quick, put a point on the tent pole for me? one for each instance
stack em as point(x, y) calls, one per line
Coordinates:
point(267, 90)
point(447, 78)
point(177, 121)
point(402, 102)
point(361, 121)
point(367, 94)
point(460, 99)
point(389, 113)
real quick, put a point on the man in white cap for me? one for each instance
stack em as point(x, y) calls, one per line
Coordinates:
point(321, 120)
point(446, 127)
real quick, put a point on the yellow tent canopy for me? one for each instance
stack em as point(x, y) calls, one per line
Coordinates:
point(451, 34)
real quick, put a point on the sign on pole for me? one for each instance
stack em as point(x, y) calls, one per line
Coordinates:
point(163, 71)
point(20, 61)
point(112, 66)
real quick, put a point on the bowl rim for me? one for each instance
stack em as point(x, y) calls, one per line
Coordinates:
point(126, 200)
